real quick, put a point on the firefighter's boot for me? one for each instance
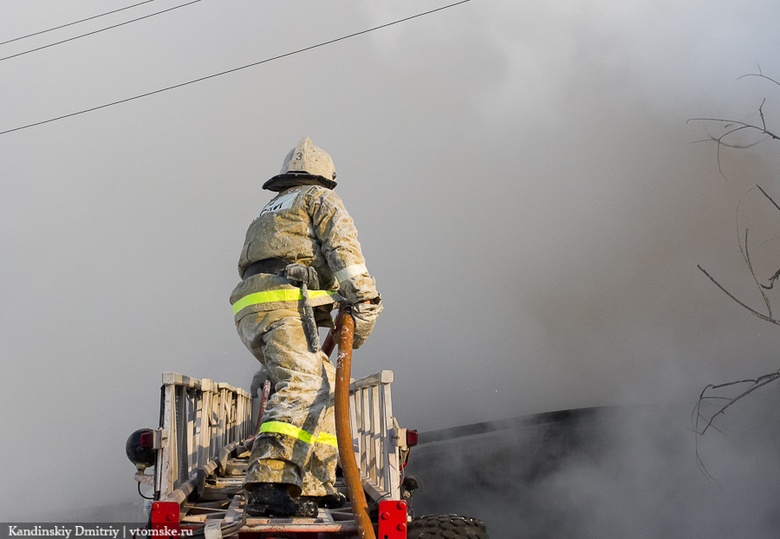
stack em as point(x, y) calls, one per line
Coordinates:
point(275, 500)
point(329, 501)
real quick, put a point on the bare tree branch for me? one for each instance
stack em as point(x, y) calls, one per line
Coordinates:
point(728, 124)
point(703, 422)
point(758, 314)
point(768, 197)
point(760, 75)
point(711, 394)
point(755, 278)
point(776, 275)
point(772, 280)
point(755, 383)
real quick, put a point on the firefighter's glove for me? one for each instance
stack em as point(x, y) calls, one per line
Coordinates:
point(258, 380)
point(302, 274)
point(365, 315)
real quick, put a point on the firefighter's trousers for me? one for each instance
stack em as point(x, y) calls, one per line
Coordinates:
point(297, 440)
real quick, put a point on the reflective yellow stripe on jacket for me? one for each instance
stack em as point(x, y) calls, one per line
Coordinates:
point(278, 295)
point(280, 427)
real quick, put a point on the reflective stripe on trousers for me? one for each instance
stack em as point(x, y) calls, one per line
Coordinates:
point(287, 429)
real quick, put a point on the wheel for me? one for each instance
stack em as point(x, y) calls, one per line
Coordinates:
point(446, 527)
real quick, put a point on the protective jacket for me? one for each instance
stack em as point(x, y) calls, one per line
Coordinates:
point(304, 224)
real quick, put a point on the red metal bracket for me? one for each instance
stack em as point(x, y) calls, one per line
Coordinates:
point(165, 519)
point(392, 519)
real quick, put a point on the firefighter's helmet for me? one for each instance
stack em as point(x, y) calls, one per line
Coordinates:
point(306, 163)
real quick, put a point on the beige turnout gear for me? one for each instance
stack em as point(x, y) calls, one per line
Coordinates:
point(297, 441)
point(305, 225)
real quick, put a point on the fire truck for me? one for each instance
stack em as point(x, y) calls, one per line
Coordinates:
point(191, 468)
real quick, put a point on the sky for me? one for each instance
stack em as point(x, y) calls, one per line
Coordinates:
point(530, 195)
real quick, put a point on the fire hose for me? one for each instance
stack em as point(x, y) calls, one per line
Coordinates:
point(345, 331)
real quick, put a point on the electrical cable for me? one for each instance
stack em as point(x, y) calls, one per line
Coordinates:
point(142, 495)
point(201, 79)
point(97, 31)
point(74, 22)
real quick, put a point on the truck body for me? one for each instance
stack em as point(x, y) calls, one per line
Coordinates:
point(192, 467)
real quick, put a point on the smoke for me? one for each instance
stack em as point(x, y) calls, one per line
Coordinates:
point(612, 472)
point(522, 177)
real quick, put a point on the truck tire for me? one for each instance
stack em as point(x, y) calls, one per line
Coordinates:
point(446, 527)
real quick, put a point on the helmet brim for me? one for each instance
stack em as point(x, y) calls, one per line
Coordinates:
point(280, 182)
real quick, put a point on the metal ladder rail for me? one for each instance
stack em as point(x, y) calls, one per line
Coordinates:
point(376, 435)
point(203, 421)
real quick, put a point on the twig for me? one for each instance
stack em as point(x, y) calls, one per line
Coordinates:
point(755, 278)
point(759, 75)
point(768, 197)
point(699, 417)
point(760, 315)
point(758, 383)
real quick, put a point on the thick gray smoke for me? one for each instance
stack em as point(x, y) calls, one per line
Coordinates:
point(613, 472)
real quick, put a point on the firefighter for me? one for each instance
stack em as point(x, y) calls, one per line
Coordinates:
point(300, 258)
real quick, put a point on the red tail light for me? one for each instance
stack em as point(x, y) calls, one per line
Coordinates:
point(411, 437)
point(140, 449)
point(146, 439)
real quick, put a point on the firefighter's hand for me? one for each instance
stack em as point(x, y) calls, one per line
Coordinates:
point(365, 315)
point(258, 380)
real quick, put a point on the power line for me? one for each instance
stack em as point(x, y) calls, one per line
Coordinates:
point(98, 31)
point(74, 22)
point(193, 81)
